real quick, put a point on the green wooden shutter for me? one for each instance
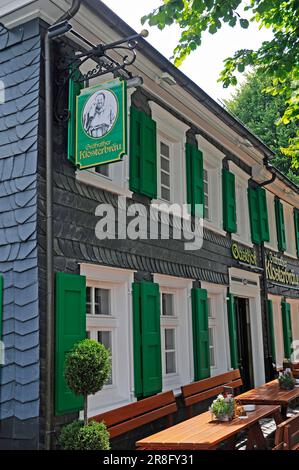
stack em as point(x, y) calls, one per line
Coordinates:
point(200, 323)
point(1, 307)
point(194, 180)
point(135, 149)
point(148, 164)
point(232, 328)
point(280, 226)
point(197, 181)
point(137, 340)
point(263, 215)
point(296, 225)
point(229, 201)
point(70, 328)
point(151, 338)
point(253, 203)
point(74, 91)
point(287, 328)
point(271, 329)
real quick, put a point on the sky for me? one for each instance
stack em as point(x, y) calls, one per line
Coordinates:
point(204, 65)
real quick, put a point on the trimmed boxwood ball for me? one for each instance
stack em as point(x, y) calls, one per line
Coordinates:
point(76, 436)
point(87, 367)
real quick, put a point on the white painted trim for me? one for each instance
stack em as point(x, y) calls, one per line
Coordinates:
point(255, 312)
point(278, 337)
point(238, 172)
point(101, 182)
point(209, 225)
point(167, 122)
point(181, 288)
point(119, 281)
point(272, 244)
point(213, 155)
point(217, 294)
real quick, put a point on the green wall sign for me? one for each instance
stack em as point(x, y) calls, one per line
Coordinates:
point(101, 124)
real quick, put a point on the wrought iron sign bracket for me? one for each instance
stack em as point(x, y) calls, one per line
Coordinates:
point(72, 58)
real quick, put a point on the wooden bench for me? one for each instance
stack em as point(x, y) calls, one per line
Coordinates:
point(129, 417)
point(287, 435)
point(207, 388)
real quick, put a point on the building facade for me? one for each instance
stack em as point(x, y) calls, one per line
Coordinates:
point(169, 315)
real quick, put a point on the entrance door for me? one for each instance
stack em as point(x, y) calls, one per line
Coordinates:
point(244, 342)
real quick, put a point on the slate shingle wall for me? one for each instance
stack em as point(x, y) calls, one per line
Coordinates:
point(20, 52)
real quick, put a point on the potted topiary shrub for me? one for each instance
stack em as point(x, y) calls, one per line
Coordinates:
point(87, 369)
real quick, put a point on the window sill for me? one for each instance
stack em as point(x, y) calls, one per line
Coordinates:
point(101, 182)
point(210, 226)
point(270, 247)
point(290, 255)
point(239, 239)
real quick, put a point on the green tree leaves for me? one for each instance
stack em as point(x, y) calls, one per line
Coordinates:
point(276, 60)
point(260, 112)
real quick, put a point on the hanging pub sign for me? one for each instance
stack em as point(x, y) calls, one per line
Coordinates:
point(101, 124)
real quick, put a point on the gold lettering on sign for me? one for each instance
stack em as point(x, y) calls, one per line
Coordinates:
point(277, 270)
point(243, 254)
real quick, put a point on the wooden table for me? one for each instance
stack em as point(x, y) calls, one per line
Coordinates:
point(270, 394)
point(202, 433)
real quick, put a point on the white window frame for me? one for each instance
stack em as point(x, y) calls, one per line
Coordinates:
point(218, 321)
point(272, 244)
point(251, 291)
point(172, 130)
point(295, 323)
point(117, 181)
point(243, 234)
point(212, 162)
point(278, 329)
point(182, 323)
point(291, 250)
point(119, 281)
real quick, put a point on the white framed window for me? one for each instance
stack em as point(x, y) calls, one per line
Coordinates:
point(212, 334)
point(289, 230)
point(278, 329)
point(176, 331)
point(165, 160)
point(212, 180)
point(103, 170)
point(171, 170)
point(217, 328)
point(206, 187)
point(243, 233)
point(109, 321)
point(169, 326)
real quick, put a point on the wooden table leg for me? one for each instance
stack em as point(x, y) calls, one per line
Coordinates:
point(231, 444)
point(278, 418)
point(284, 410)
point(255, 437)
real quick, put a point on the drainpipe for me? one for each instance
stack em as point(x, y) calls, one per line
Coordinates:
point(49, 360)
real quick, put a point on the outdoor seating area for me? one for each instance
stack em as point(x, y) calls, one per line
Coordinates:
point(205, 431)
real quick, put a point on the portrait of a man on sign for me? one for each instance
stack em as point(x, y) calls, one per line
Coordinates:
point(101, 124)
point(100, 113)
